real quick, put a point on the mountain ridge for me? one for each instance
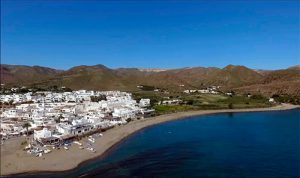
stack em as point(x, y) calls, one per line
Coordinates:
point(101, 77)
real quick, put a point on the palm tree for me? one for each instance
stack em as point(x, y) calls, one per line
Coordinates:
point(26, 125)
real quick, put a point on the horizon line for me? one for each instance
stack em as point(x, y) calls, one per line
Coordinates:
point(145, 68)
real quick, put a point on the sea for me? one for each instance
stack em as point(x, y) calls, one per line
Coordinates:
point(229, 145)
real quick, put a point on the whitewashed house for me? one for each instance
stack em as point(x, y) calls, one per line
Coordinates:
point(144, 103)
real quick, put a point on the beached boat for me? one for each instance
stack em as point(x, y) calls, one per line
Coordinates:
point(66, 148)
point(92, 140)
point(91, 149)
point(47, 151)
point(27, 147)
point(78, 143)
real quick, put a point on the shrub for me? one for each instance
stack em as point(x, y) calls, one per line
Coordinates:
point(23, 142)
point(257, 97)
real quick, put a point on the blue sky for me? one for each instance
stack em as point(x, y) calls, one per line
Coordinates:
point(164, 34)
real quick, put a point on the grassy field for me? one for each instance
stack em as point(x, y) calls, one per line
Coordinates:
point(164, 109)
point(202, 101)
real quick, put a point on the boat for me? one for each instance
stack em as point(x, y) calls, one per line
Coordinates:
point(81, 147)
point(78, 143)
point(91, 149)
point(66, 148)
point(47, 151)
point(92, 140)
point(27, 147)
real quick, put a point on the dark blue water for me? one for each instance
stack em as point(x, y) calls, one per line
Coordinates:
point(231, 145)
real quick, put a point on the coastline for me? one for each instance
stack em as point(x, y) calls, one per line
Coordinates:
point(18, 162)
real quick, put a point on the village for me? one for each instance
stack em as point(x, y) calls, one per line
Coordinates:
point(61, 118)
point(55, 120)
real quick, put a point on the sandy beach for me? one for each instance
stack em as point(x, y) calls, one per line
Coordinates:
point(14, 160)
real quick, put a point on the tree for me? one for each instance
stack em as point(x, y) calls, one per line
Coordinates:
point(230, 106)
point(190, 102)
point(67, 89)
point(53, 88)
point(57, 120)
point(98, 98)
point(128, 119)
point(258, 97)
point(26, 125)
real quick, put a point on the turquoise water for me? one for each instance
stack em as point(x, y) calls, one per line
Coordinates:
point(249, 145)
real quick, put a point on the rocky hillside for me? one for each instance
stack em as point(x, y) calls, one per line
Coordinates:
point(285, 81)
point(239, 78)
point(25, 75)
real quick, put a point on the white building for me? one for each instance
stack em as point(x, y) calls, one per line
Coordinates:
point(40, 134)
point(144, 103)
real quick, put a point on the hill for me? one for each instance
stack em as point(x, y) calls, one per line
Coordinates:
point(286, 81)
point(100, 77)
point(25, 75)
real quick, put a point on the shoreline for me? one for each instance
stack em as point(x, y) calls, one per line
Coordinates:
point(18, 162)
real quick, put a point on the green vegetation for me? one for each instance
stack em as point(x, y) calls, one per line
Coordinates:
point(254, 101)
point(201, 101)
point(59, 118)
point(55, 88)
point(147, 88)
point(287, 99)
point(209, 101)
point(98, 98)
point(24, 142)
point(230, 106)
point(26, 125)
point(164, 109)
point(154, 97)
point(34, 88)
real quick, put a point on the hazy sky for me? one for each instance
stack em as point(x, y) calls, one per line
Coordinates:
point(164, 34)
